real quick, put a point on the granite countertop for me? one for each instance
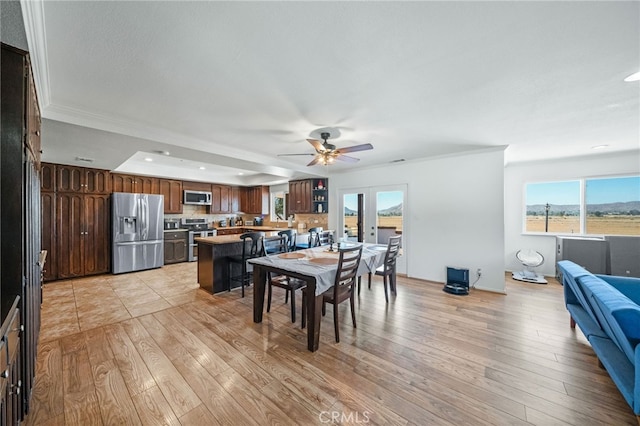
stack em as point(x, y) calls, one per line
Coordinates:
point(253, 228)
point(176, 230)
point(233, 238)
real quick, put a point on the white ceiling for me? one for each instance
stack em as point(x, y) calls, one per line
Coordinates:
point(236, 83)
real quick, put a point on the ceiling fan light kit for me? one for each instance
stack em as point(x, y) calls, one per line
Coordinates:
point(327, 153)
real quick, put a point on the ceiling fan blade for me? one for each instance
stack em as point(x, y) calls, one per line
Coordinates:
point(315, 160)
point(316, 144)
point(355, 148)
point(289, 155)
point(347, 158)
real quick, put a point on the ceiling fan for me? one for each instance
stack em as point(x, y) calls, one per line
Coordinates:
point(327, 153)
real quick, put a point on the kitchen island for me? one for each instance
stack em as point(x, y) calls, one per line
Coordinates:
point(213, 266)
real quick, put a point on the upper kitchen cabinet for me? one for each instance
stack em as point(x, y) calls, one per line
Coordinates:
point(34, 123)
point(254, 200)
point(172, 191)
point(300, 196)
point(48, 177)
point(221, 199)
point(235, 199)
point(196, 186)
point(82, 180)
point(308, 196)
point(135, 184)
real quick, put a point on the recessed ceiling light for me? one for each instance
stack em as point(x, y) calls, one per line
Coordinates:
point(240, 174)
point(148, 159)
point(633, 77)
point(202, 167)
point(600, 146)
point(163, 152)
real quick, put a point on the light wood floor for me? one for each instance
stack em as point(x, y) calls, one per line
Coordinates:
point(152, 348)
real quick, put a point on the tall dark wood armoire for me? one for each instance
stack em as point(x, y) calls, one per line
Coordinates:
point(21, 261)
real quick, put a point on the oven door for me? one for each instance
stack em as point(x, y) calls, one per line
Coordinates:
point(193, 246)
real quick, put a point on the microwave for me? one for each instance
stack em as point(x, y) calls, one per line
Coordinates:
point(202, 198)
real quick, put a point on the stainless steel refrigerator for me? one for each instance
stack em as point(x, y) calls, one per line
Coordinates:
point(137, 234)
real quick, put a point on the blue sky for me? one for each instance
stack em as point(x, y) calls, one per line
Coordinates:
point(385, 200)
point(553, 193)
point(598, 191)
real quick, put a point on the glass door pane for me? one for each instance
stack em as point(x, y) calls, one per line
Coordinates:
point(388, 215)
point(353, 216)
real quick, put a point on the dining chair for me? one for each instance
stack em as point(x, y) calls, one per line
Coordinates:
point(291, 238)
point(323, 238)
point(388, 268)
point(343, 287)
point(289, 284)
point(252, 246)
point(313, 241)
point(276, 244)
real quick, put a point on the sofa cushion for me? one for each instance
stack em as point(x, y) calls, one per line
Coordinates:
point(618, 315)
point(619, 368)
point(573, 292)
point(628, 286)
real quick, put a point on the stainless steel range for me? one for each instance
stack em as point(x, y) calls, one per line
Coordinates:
point(198, 227)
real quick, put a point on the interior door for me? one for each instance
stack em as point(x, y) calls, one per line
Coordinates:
point(373, 214)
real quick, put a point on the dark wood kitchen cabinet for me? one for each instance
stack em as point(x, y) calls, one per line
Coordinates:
point(172, 191)
point(48, 236)
point(82, 180)
point(235, 199)
point(20, 227)
point(308, 196)
point(300, 196)
point(176, 245)
point(10, 383)
point(135, 184)
point(196, 186)
point(83, 224)
point(48, 177)
point(221, 199)
point(254, 200)
point(75, 221)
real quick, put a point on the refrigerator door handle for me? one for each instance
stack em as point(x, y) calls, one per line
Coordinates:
point(138, 243)
point(144, 218)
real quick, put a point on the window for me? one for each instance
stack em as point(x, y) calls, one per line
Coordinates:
point(610, 206)
point(613, 206)
point(278, 206)
point(553, 207)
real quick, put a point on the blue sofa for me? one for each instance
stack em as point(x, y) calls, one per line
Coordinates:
point(607, 310)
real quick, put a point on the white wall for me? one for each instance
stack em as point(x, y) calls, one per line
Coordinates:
point(454, 213)
point(517, 175)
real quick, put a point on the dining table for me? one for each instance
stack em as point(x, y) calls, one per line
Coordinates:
point(317, 267)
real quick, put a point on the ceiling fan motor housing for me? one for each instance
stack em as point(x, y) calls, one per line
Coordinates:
point(327, 146)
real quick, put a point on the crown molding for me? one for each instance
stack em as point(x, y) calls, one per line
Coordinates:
point(33, 16)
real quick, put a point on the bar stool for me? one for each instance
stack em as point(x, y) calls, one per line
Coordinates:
point(252, 246)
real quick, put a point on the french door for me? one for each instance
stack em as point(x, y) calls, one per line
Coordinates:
point(373, 214)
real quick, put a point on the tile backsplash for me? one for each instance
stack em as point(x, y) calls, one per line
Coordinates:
point(300, 220)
